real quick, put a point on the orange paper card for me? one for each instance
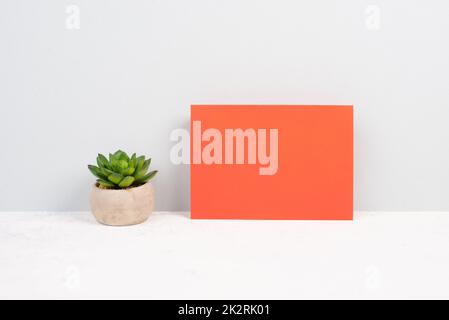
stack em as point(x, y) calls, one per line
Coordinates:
point(271, 162)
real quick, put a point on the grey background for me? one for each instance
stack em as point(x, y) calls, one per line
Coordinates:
point(126, 78)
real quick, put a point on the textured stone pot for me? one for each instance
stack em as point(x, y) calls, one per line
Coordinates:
point(122, 207)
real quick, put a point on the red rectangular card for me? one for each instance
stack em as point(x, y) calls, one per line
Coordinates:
point(271, 162)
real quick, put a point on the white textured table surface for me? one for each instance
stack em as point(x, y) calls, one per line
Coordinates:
point(379, 255)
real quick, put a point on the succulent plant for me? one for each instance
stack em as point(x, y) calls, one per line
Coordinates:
point(121, 171)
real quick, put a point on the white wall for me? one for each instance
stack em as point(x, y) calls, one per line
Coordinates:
point(126, 78)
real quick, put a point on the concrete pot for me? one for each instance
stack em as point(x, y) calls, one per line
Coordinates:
point(122, 207)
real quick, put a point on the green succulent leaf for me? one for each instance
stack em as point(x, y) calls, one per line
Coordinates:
point(147, 177)
point(115, 178)
point(140, 172)
point(114, 164)
point(120, 155)
point(140, 162)
point(126, 182)
point(124, 156)
point(106, 172)
point(102, 161)
point(121, 171)
point(129, 171)
point(117, 154)
point(146, 165)
point(133, 161)
point(97, 172)
point(122, 166)
point(119, 165)
point(105, 184)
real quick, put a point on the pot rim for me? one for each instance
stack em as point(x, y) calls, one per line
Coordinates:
point(121, 190)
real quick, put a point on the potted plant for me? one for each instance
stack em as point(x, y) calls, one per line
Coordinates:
point(122, 194)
